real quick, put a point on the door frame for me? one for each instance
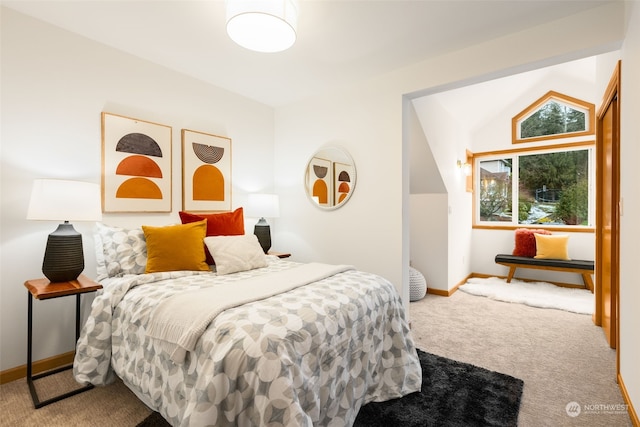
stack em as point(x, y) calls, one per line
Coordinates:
point(611, 97)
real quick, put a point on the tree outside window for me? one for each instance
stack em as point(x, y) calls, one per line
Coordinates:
point(553, 118)
point(495, 190)
point(553, 188)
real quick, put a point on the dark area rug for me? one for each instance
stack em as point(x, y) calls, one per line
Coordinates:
point(453, 394)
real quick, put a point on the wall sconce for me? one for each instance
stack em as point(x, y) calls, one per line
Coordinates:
point(465, 167)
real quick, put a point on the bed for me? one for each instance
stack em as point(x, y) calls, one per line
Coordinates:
point(311, 353)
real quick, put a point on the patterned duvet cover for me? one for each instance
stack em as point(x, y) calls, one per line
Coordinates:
point(310, 356)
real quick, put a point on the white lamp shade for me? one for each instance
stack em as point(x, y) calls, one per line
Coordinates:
point(263, 205)
point(262, 25)
point(62, 200)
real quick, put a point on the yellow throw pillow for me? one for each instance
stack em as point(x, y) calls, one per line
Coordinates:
point(553, 246)
point(176, 247)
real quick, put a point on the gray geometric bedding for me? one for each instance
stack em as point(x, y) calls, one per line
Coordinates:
point(310, 356)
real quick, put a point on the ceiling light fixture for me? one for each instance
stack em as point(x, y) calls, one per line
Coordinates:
point(262, 25)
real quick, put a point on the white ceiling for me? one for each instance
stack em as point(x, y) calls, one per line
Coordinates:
point(339, 42)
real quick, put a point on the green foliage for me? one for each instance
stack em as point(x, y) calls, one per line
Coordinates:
point(553, 170)
point(573, 207)
point(524, 207)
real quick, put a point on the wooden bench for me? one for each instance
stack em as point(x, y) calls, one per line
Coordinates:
point(582, 267)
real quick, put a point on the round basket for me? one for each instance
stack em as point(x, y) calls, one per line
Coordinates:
point(417, 285)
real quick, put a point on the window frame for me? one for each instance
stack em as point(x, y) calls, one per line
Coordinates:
point(515, 153)
point(586, 107)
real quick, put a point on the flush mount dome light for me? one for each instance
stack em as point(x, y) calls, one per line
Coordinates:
point(262, 25)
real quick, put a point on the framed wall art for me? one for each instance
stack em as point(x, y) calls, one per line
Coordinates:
point(206, 172)
point(136, 165)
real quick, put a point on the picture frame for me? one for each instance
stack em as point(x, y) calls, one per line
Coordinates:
point(206, 172)
point(343, 181)
point(136, 165)
point(320, 181)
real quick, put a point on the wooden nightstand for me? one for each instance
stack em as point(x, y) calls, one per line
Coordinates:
point(279, 254)
point(43, 289)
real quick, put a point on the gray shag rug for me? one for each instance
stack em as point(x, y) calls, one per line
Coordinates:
point(453, 394)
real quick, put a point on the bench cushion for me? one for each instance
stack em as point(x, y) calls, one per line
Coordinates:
point(560, 263)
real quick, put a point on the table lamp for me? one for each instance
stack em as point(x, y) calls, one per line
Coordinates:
point(56, 199)
point(263, 205)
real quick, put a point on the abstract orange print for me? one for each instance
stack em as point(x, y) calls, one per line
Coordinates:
point(140, 166)
point(206, 181)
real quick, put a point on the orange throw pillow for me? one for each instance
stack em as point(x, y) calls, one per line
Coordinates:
point(526, 241)
point(175, 247)
point(218, 224)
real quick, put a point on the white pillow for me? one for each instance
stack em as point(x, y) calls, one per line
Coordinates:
point(236, 253)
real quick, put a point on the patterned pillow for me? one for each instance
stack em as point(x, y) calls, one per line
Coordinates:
point(101, 268)
point(124, 251)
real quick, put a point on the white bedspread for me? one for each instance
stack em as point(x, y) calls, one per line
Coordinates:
point(179, 321)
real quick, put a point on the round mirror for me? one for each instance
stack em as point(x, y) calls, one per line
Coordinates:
point(330, 178)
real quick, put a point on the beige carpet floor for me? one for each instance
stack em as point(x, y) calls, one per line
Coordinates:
point(561, 357)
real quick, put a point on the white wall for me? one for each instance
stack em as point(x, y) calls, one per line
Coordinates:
point(448, 144)
point(428, 235)
point(629, 226)
point(366, 231)
point(54, 87)
point(430, 238)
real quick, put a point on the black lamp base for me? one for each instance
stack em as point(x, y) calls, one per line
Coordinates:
point(263, 232)
point(63, 257)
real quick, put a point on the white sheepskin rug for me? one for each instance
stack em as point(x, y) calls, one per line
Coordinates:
point(535, 294)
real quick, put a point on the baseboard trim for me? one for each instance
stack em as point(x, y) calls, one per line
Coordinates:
point(448, 293)
point(438, 292)
point(43, 365)
point(630, 409)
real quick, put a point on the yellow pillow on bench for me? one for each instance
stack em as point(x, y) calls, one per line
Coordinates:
point(553, 246)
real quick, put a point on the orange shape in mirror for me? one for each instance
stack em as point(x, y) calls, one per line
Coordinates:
point(320, 191)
